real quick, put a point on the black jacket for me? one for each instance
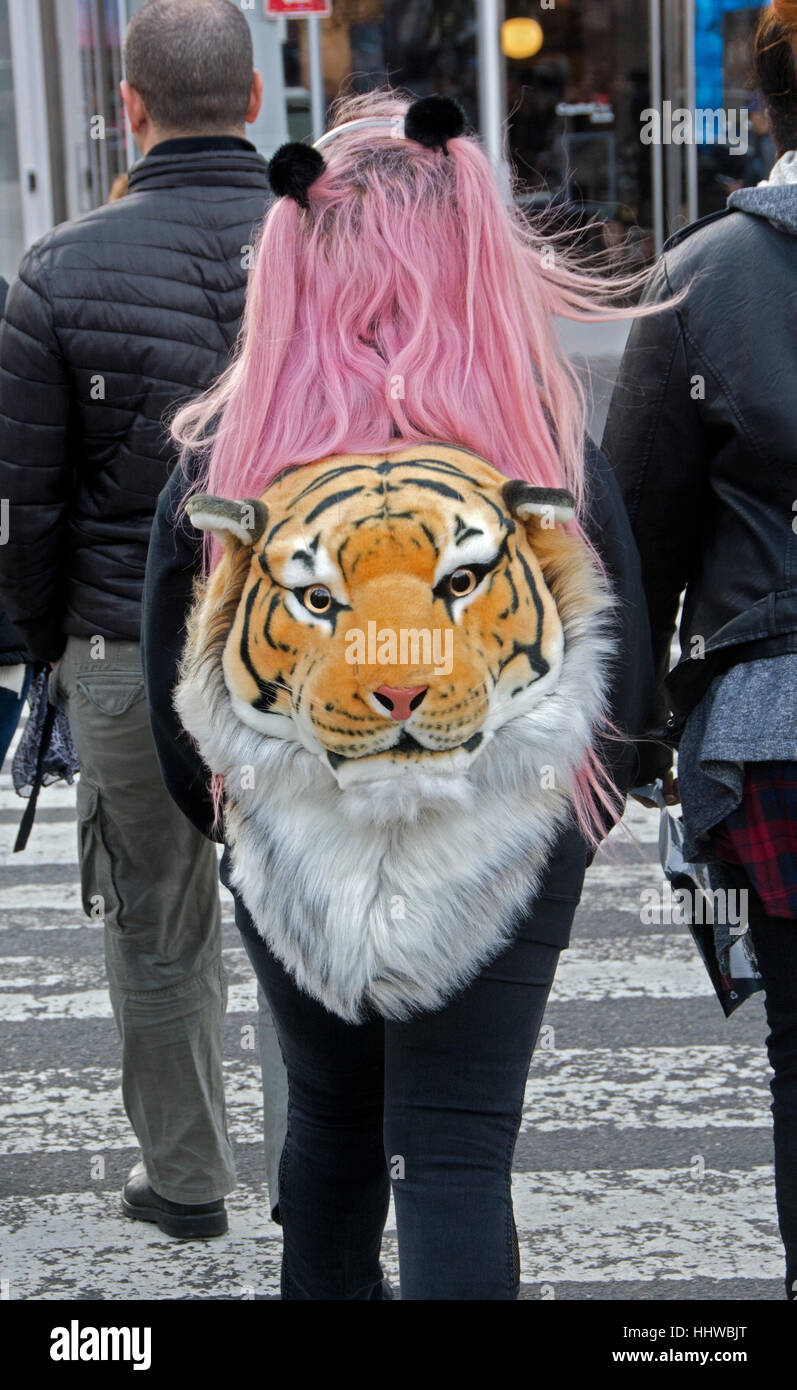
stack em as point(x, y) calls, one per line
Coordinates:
point(702, 436)
point(174, 562)
point(113, 319)
point(12, 648)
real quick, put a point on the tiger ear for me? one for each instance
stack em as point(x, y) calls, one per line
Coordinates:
point(228, 520)
point(551, 504)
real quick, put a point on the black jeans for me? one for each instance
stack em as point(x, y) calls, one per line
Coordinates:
point(775, 941)
point(432, 1105)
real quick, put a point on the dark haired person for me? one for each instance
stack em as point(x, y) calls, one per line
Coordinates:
point(702, 435)
point(113, 318)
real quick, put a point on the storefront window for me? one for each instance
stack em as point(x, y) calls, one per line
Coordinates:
point(724, 31)
point(574, 121)
point(575, 97)
point(100, 64)
point(573, 109)
point(366, 43)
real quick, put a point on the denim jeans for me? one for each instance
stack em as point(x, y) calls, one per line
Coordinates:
point(431, 1105)
point(775, 941)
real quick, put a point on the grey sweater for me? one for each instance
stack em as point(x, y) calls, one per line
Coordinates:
point(747, 715)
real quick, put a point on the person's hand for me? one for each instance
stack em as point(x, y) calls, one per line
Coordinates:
point(670, 793)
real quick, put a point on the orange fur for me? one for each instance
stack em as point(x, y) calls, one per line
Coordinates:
point(379, 528)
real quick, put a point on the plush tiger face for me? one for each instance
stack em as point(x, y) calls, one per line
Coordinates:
point(387, 612)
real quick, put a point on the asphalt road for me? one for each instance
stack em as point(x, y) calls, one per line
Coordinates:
point(643, 1168)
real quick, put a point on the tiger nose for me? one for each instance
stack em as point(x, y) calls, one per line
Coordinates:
point(400, 703)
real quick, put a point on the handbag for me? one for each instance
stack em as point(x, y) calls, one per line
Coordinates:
point(725, 948)
point(45, 753)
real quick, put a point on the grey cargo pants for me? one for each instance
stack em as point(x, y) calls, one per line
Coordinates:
point(154, 879)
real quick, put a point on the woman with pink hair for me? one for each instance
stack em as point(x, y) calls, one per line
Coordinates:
point(391, 257)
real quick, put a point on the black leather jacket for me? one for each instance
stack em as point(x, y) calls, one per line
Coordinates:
point(702, 436)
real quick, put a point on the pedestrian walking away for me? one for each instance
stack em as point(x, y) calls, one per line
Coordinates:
point(113, 319)
point(399, 442)
point(701, 435)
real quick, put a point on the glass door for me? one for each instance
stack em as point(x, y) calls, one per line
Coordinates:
point(712, 135)
point(12, 237)
point(575, 94)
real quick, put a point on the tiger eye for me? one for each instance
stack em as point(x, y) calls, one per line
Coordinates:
point(462, 582)
point(317, 599)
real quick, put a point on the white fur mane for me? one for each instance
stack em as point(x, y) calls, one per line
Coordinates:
point(395, 893)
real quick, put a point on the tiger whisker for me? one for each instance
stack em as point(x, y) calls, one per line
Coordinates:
point(312, 701)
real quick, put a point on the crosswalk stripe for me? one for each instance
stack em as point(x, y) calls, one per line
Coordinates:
point(56, 968)
point(638, 1087)
point(607, 887)
point(55, 842)
point(646, 1223)
point(51, 842)
point(103, 1255)
point(587, 1227)
point(61, 1109)
point(41, 897)
point(671, 970)
point(81, 1004)
point(641, 821)
point(62, 896)
point(58, 794)
point(33, 919)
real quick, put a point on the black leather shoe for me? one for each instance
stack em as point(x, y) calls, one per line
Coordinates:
point(185, 1221)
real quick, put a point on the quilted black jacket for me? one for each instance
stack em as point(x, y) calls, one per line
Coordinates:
point(12, 648)
point(113, 319)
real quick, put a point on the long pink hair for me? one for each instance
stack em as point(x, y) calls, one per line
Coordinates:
point(408, 302)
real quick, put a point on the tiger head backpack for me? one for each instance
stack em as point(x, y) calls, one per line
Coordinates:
point(396, 669)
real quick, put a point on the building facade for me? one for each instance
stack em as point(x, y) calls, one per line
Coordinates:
point(571, 88)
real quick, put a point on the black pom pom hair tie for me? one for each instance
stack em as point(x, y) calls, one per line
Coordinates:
point(430, 121)
point(293, 169)
point(433, 121)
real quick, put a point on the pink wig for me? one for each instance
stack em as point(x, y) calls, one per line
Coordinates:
point(407, 302)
